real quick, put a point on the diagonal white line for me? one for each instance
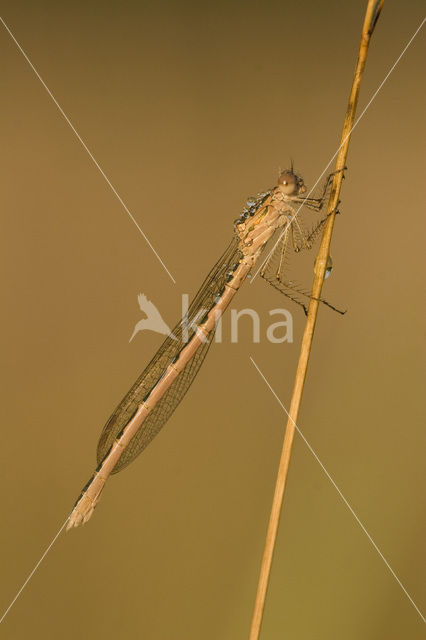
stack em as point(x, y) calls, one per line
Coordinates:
point(33, 571)
point(339, 492)
point(85, 147)
point(342, 143)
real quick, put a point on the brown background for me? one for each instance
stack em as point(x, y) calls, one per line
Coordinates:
point(189, 108)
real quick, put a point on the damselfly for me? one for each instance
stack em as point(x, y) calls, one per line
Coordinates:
point(159, 389)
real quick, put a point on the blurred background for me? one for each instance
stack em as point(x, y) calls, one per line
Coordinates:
point(189, 108)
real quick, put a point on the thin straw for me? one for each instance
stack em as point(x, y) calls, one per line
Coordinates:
point(373, 10)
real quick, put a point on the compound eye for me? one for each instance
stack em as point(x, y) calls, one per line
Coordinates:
point(288, 182)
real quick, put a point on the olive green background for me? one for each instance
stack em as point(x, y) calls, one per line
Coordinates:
point(189, 108)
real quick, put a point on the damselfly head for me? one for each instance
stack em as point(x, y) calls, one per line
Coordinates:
point(290, 183)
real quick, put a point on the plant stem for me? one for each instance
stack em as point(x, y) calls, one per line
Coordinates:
point(372, 13)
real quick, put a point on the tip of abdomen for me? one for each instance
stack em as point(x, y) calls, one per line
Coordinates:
point(82, 512)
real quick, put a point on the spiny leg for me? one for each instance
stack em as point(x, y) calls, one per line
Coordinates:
point(318, 203)
point(280, 286)
point(319, 226)
point(298, 235)
point(274, 275)
point(304, 240)
point(283, 285)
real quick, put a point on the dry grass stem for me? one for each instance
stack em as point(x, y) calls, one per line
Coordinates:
point(372, 13)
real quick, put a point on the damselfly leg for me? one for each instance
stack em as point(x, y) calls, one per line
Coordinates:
point(275, 272)
point(294, 238)
point(318, 203)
